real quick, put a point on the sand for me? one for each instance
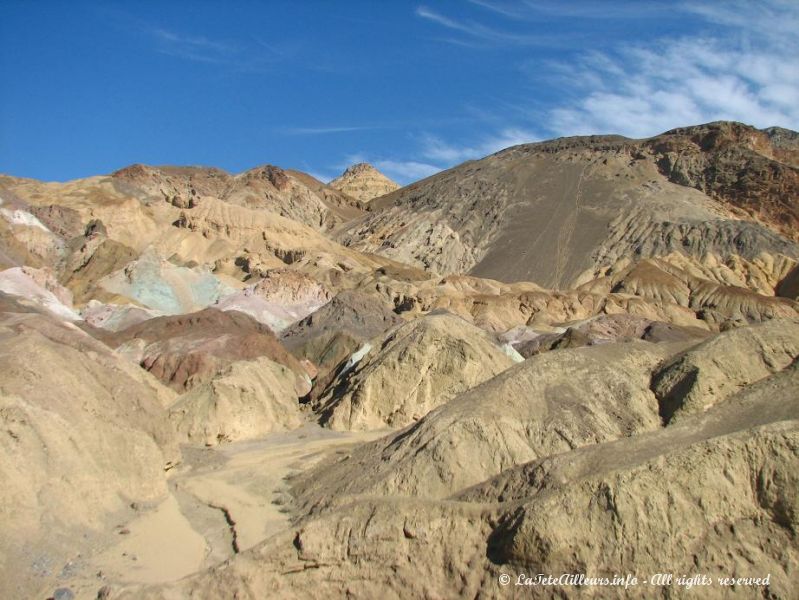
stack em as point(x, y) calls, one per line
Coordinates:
point(222, 501)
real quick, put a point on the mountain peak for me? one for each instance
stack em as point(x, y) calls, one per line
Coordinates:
point(364, 182)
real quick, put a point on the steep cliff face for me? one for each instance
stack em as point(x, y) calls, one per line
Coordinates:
point(754, 172)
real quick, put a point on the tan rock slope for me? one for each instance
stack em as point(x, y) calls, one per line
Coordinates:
point(331, 334)
point(85, 434)
point(540, 472)
point(364, 182)
point(289, 194)
point(398, 378)
point(560, 213)
point(113, 220)
point(245, 400)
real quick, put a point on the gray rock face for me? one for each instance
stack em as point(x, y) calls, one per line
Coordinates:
point(553, 212)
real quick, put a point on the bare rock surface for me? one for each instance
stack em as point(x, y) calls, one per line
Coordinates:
point(606, 329)
point(286, 193)
point(409, 371)
point(584, 203)
point(41, 288)
point(171, 338)
point(364, 182)
point(188, 350)
point(714, 370)
point(279, 299)
point(84, 434)
point(715, 493)
point(553, 403)
point(245, 400)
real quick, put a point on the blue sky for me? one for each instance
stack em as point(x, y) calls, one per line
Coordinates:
point(413, 87)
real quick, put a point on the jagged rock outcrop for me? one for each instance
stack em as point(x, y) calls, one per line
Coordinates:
point(225, 232)
point(331, 334)
point(401, 376)
point(756, 172)
point(269, 188)
point(94, 258)
point(358, 315)
point(553, 403)
point(364, 182)
point(716, 369)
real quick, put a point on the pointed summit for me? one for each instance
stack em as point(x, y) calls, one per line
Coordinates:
point(364, 182)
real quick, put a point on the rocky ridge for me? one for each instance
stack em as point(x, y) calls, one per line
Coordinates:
point(364, 182)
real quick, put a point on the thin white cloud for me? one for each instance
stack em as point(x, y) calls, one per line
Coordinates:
point(592, 10)
point(531, 10)
point(196, 48)
point(325, 130)
point(449, 154)
point(765, 17)
point(253, 56)
point(406, 171)
point(642, 90)
point(506, 9)
point(478, 31)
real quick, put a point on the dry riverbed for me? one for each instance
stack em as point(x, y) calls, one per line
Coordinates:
point(222, 501)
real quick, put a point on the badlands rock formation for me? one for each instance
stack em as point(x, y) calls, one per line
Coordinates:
point(399, 377)
point(191, 349)
point(560, 213)
point(269, 188)
point(281, 298)
point(85, 434)
point(570, 487)
point(575, 356)
point(245, 400)
point(330, 335)
point(364, 182)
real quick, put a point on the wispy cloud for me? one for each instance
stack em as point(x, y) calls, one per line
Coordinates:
point(406, 171)
point(448, 153)
point(189, 47)
point(537, 10)
point(592, 10)
point(478, 31)
point(327, 130)
point(640, 90)
point(241, 55)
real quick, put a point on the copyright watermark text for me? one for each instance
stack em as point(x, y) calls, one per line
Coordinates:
point(629, 580)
